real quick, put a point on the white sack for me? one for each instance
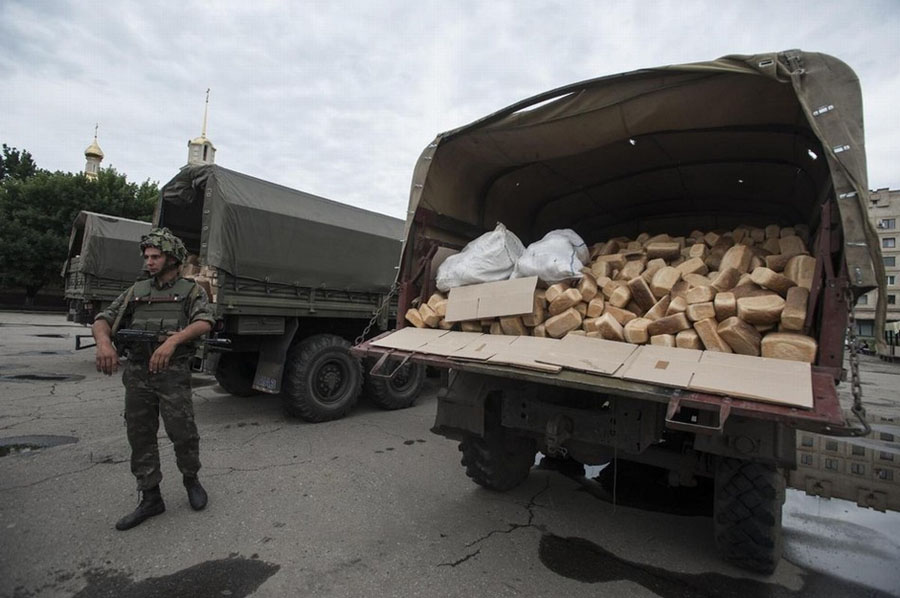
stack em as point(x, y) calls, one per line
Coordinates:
point(488, 258)
point(560, 255)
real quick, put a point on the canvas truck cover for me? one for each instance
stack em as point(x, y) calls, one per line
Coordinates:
point(109, 246)
point(749, 139)
point(258, 230)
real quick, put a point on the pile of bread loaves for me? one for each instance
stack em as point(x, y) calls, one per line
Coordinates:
point(744, 291)
point(205, 276)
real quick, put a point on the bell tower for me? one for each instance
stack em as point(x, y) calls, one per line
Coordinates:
point(200, 149)
point(93, 156)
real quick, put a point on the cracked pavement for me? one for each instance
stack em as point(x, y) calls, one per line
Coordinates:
point(373, 504)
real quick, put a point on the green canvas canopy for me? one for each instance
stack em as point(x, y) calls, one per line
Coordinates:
point(744, 139)
point(108, 246)
point(262, 231)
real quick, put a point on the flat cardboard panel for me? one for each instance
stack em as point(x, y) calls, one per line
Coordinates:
point(525, 351)
point(758, 385)
point(671, 353)
point(484, 348)
point(409, 339)
point(449, 343)
point(491, 299)
point(588, 354)
point(729, 374)
point(767, 380)
point(667, 366)
point(713, 358)
point(522, 361)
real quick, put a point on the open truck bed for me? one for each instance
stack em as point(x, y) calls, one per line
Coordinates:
point(741, 141)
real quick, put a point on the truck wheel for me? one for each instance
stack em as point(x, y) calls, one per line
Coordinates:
point(501, 460)
point(399, 392)
point(322, 381)
point(235, 372)
point(747, 513)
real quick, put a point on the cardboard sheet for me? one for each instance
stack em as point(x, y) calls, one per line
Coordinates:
point(740, 376)
point(710, 358)
point(484, 348)
point(783, 388)
point(667, 366)
point(588, 354)
point(449, 343)
point(409, 338)
point(768, 380)
point(525, 352)
point(491, 299)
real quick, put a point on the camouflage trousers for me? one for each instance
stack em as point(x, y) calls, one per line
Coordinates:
point(149, 396)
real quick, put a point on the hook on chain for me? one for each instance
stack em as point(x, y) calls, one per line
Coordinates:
point(387, 301)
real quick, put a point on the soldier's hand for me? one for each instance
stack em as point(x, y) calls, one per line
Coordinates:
point(159, 361)
point(107, 358)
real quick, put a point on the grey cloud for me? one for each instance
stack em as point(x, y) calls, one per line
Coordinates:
point(339, 99)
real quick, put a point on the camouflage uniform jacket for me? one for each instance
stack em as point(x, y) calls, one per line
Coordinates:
point(197, 310)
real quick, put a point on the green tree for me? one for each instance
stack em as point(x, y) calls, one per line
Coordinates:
point(16, 164)
point(36, 215)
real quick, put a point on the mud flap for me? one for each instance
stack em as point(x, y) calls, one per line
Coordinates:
point(272, 352)
point(460, 407)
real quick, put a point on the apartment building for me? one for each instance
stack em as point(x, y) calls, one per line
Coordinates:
point(884, 213)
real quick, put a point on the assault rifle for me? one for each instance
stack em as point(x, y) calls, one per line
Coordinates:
point(127, 336)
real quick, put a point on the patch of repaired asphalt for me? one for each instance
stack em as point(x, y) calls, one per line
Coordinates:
point(233, 577)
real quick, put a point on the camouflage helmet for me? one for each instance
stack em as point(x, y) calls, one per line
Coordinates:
point(164, 240)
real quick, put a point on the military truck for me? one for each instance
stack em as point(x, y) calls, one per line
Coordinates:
point(293, 279)
point(756, 139)
point(104, 259)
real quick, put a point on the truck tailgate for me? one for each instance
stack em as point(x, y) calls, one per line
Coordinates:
point(825, 417)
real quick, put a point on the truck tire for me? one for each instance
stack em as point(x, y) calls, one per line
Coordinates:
point(399, 392)
point(322, 381)
point(747, 513)
point(501, 460)
point(235, 372)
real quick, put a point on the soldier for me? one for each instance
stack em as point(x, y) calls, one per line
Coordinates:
point(157, 376)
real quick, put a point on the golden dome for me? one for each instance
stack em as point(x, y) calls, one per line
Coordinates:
point(94, 150)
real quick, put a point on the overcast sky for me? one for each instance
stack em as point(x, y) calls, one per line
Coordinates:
point(339, 98)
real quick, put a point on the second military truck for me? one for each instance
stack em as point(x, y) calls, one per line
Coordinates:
point(293, 279)
point(104, 259)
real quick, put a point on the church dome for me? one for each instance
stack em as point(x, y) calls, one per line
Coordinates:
point(94, 149)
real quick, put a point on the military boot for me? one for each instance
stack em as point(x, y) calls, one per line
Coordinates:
point(151, 504)
point(196, 494)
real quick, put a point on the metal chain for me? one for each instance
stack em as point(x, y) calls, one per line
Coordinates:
point(377, 313)
point(855, 384)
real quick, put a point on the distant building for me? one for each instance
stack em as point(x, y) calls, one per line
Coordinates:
point(93, 156)
point(884, 213)
point(200, 149)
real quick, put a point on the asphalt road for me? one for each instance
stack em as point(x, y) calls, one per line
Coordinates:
point(371, 505)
